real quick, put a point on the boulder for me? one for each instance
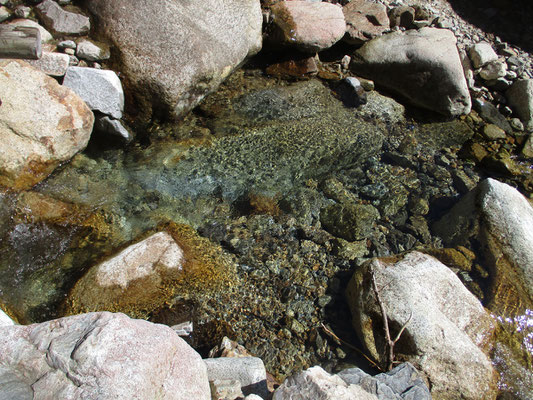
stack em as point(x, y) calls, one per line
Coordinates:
point(482, 54)
point(402, 382)
point(520, 98)
point(100, 89)
point(174, 53)
point(364, 21)
point(307, 26)
point(448, 328)
point(41, 124)
point(5, 320)
point(60, 21)
point(53, 64)
point(99, 356)
point(421, 65)
point(315, 383)
point(248, 371)
point(45, 35)
point(499, 218)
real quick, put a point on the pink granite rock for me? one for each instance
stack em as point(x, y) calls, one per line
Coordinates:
point(364, 21)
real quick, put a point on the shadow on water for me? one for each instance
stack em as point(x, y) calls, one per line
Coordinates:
point(508, 19)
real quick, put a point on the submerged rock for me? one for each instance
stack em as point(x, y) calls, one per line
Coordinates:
point(448, 328)
point(144, 276)
point(84, 357)
point(423, 66)
point(174, 53)
point(499, 218)
point(38, 135)
point(307, 26)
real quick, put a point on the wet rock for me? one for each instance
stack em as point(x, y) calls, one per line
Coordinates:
point(45, 35)
point(448, 327)
point(520, 98)
point(100, 89)
point(38, 135)
point(382, 109)
point(403, 382)
point(248, 371)
point(307, 26)
point(481, 54)
point(294, 68)
point(5, 320)
point(83, 357)
point(60, 21)
point(53, 64)
point(430, 77)
point(490, 113)
point(403, 16)
point(364, 21)
point(174, 54)
point(92, 51)
point(143, 277)
point(351, 92)
point(113, 128)
point(349, 221)
point(315, 383)
point(500, 218)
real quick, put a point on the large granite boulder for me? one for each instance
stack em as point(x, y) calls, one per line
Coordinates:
point(448, 328)
point(500, 219)
point(422, 66)
point(99, 356)
point(174, 53)
point(41, 124)
point(307, 26)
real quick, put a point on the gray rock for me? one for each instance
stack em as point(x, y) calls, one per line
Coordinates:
point(175, 53)
point(403, 16)
point(99, 356)
point(249, 371)
point(500, 219)
point(493, 132)
point(315, 383)
point(92, 51)
point(225, 389)
point(100, 89)
point(482, 54)
point(490, 113)
point(494, 70)
point(5, 320)
point(364, 21)
point(53, 64)
point(45, 35)
point(306, 26)
point(423, 66)
point(60, 21)
point(253, 397)
point(113, 127)
point(402, 383)
point(22, 11)
point(382, 108)
point(520, 98)
point(67, 44)
point(37, 135)
point(527, 150)
point(351, 92)
point(4, 14)
point(448, 327)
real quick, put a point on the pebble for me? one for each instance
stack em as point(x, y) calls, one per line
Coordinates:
point(494, 70)
point(493, 132)
point(482, 54)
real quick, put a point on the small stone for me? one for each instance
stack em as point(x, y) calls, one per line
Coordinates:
point(364, 21)
point(345, 62)
point(462, 181)
point(490, 114)
point(71, 52)
point(418, 206)
point(67, 44)
point(92, 51)
point(367, 84)
point(351, 92)
point(294, 68)
point(53, 64)
point(527, 150)
point(22, 11)
point(113, 127)
point(225, 389)
point(4, 14)
point(520, 98)
point(349, 221)
point(5, 320)
point(183, 329)
point(493, 132)
point(517, 124)
point(402, 16)
point(494, 70)
point(61, 21)
point(481, 54)
point(100, 89)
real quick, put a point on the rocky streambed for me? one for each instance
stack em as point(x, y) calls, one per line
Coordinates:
point(288, 207)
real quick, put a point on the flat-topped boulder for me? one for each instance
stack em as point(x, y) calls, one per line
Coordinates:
point(174, 53)
point(422, 66)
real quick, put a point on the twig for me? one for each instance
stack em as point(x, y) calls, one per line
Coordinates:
point(351, 346)
point(389, 343)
